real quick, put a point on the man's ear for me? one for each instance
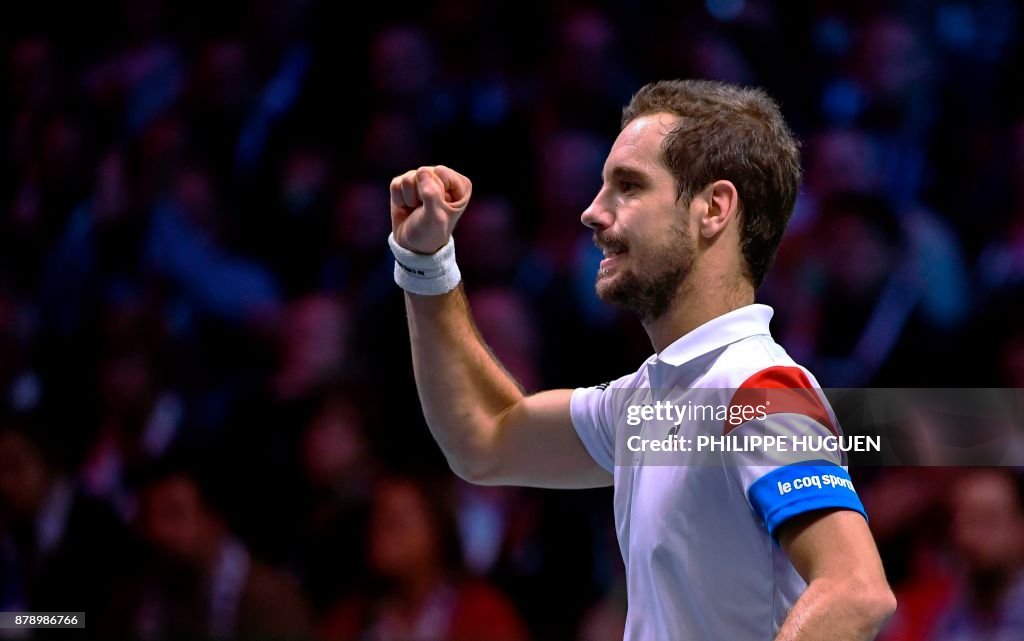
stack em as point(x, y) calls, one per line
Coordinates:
point(723, 203)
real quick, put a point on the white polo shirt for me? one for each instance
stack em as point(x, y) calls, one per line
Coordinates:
point(696, 528)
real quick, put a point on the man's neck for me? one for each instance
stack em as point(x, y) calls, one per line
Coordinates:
point(697, 302)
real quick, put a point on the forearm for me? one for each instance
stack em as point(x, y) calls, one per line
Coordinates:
point(836, 610)
point(488, 430)
point(463, 389)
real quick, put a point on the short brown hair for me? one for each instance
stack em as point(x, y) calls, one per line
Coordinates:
point(730, 133)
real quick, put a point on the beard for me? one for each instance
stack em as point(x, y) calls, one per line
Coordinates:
point(649, 282)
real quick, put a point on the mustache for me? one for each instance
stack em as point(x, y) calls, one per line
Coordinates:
point(610, 242)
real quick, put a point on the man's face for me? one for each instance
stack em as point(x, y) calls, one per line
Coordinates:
point(404, 540)
point(173, 519)
point(987, 523)
point(23, 478)
point(639, 223)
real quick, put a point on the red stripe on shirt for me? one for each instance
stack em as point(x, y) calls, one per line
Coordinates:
point(781, 390)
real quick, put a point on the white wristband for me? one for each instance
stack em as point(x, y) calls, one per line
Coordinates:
point(427, 274)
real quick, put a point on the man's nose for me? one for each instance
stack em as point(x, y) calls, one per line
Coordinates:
point(597, 216)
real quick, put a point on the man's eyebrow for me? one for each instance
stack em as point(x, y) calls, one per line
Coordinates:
point(627, 173)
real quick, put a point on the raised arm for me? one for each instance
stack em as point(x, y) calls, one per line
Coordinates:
point(489, 430)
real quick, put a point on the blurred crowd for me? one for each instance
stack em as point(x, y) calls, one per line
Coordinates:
point(210, 426)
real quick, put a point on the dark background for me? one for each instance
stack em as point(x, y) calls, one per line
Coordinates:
point(202, 349)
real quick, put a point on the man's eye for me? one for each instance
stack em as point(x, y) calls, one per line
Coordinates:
point(627, 186)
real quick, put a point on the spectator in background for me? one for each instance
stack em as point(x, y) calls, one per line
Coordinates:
point(718, 58)
point(403, 71)
point(199, 581)
point(508, 325)
point(840, 301)
point(586, 67)
point(60, 550)
point(184, 245)
point(263, 436)
point(987, 536)
point(421, 593)
point(906, 505)
point(340, 471)
point(872, 317)
point(140, 413)
point(145, 76)
point(296, 231)
point(891, 66)
point(1012, 357)
point(356, 262)
point(403, 66)
point(1001, 260)
point(841, 161)
point(18, 377)
point(313, 343)
point(490, 243)
point(568, 170)
point(222, 87)
point(98, 245)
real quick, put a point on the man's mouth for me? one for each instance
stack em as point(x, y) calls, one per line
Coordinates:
point(613, 252)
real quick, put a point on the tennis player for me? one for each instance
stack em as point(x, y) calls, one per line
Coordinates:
point(739, 545)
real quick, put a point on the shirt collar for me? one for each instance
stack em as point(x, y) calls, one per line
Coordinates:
point(746, 321)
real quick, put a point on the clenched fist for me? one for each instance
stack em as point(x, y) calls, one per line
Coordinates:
point(425, 205)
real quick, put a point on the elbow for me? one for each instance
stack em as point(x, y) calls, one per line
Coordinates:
point(474, 471)
point(886, 604)
point(473, 457)
point(864, 605)
point(876, 603)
